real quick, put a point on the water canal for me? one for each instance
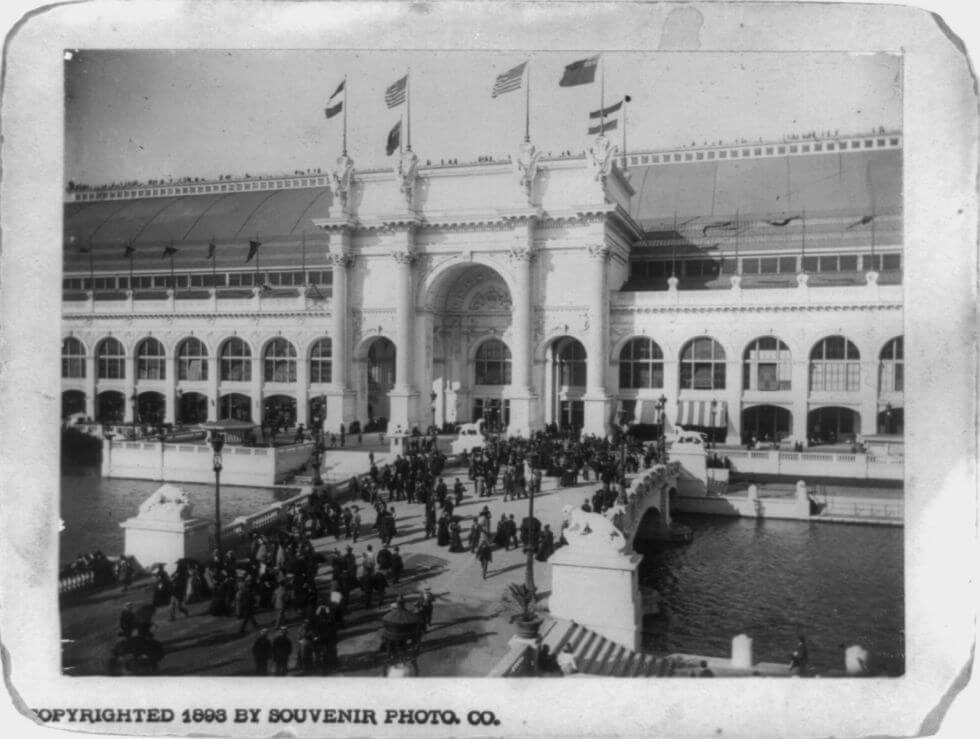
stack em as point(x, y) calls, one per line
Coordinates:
point(771, 580)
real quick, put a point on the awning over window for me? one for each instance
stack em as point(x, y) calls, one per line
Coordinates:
point(700, 413)
point(646, 412)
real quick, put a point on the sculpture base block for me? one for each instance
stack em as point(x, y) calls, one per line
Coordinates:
point(599, 591)
point(167, 541)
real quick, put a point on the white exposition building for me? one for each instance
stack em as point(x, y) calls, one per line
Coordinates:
point(750, 290)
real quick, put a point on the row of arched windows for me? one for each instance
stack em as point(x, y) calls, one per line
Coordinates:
point(834, 363)
point(234, 360)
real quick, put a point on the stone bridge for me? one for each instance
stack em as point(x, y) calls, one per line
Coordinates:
point(643, 514)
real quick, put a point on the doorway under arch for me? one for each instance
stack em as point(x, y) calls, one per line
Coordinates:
point(235, 406)
point(192, 408)
point(766, 423)
point(151, 408)
point(279, 411)
point(891, 421)
point(833, 424)
point(72, 401)
point(110, 407)
point(566, 377)
point(381, 379)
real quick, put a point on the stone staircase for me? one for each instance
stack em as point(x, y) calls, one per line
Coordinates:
point(597, 655)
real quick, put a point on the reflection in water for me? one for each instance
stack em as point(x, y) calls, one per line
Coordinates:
point(774, 580)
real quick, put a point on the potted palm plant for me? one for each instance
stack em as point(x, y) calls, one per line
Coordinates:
point(522, 599)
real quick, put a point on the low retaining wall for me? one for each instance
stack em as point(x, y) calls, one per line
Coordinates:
point(815, 464)
point(788, 507)
point(249, 466)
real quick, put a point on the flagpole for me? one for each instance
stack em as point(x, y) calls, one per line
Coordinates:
point(408, 109)
point(91, 265)
point(602, 97)
point(214, 258)
point(673, 249)
point(304, 257)
point(626, 161)
point(173, 280)
point(803, 245)
point(346, 100)
point(738, 266)
point(257, 257)
point(131, 250)
point(527, 102)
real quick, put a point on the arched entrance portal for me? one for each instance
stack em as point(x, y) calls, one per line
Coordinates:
point(192, 408)
point(235, 406)
point(279, 411)
point(833, 424)
point(380, 380)
point(891, 420)
point(766, 423)
point(468, 333)
point(565, 378)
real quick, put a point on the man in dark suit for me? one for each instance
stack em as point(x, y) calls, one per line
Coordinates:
point(261, 651)
point(282, 647)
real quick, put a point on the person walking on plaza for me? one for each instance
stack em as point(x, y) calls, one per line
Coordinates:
point(356, 523)
point(484, 554)
point(397, 565)
point(424, 606)
point(282, 647)
point(261, 651)
point(279, 601)
point(458, 489)
point(245, 605)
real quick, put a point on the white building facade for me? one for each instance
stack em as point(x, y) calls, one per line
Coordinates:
point(584, 292)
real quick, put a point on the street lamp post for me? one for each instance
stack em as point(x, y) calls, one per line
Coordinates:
point(661, 410)
point(217, 443)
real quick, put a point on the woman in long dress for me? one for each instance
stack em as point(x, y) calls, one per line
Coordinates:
point(442, 531)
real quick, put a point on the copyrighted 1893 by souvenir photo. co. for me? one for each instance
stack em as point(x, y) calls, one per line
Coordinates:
point(550, 354)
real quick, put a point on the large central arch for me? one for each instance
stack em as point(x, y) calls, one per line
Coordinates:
point(466, 338)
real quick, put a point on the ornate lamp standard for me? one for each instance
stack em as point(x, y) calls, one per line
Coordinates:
point(217, 443)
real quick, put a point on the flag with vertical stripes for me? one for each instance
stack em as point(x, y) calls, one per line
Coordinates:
point(509, 80)
point(336, 102)
point(395, 94)
point(253, 249)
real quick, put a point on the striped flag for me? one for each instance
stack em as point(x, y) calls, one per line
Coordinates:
point(336, 102)
point(602, 128)
point(169, 251)
point(581, 72)
point(395, 94)
point(129, 249)
point(253, 249)
point(509, 80)
point(607, 111)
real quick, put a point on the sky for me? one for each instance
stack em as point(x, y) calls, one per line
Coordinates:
point(139, 115)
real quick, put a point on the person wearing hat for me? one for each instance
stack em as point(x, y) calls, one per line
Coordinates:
point(261, 651)
point(397, 565)
point(424, 606)
point(282, 647)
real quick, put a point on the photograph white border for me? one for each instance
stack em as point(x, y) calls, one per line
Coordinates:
point(940, 281)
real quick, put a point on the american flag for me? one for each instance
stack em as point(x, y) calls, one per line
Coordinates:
point(395, 94)
point(509, 80)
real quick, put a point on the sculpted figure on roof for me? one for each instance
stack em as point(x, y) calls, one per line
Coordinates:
point(406, 170)
point(343, 178)
point(526, 166)
point(601, 155)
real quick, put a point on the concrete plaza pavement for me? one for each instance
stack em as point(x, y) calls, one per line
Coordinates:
point(469, 633)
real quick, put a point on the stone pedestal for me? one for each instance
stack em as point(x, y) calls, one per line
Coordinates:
point(521, 409)
point(164, 531)
point(404, 409)
point(398, 443)
point(598, 411)
point(742, 652)
point(599, 590)
point(341, 409)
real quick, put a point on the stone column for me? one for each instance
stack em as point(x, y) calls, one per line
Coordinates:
point(214, 372)
point(130, 388)
point(170, 391)
point(302, 381)
point(800, 386)
point(597, 402)
point(255, 388)
point(90, 385)
point(404, 395)
point(340, 398)
point(520, 393)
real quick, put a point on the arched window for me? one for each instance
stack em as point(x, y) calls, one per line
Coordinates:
point(236, 362)
point(571, 363)
point(280, 361)
point(192, 360)
point(702, 365)
point(72, 358)
point(493, 363)
point(767, 365)
point(151, 363)
point(641, 364)
point(835, 366)
point(321, 361)
point(891, 372)
point(111, 360)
